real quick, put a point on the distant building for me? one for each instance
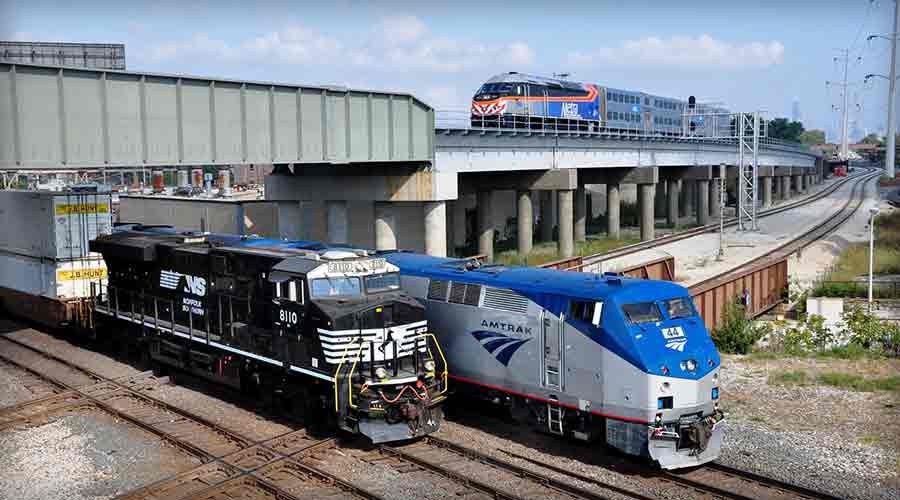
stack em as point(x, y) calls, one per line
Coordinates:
point(84, 55)
point(795, 111)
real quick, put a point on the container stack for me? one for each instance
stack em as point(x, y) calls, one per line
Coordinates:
point(46, 268)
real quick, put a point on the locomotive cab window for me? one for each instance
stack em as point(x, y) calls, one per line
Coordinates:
point(642, 312)
point(336, 287)
point(589, 312)
point(679, 308)
point(382, 282)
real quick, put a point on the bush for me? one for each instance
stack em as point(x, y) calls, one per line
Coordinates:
point(861, 327)
point(737, 334)
point(891, 338)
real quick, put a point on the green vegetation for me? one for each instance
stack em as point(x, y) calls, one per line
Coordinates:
point(737, 334)
point(847, 381)
point(810, 137)
point(545, 252)
point(854, 261)
point(782, 128)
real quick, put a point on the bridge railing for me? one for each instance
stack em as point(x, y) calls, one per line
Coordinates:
point(458, 119)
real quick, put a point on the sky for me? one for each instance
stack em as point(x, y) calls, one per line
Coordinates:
point(759, 55)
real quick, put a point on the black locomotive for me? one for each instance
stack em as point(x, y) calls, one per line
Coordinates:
point(327, 327)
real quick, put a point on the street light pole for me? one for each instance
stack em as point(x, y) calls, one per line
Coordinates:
point(872, 213)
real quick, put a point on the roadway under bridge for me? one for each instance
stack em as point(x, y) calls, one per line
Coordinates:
point(365, 167)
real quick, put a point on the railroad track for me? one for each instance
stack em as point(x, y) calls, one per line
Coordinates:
point(233, 465)
point(853, 203)
point(709, 228)
point(713, 481)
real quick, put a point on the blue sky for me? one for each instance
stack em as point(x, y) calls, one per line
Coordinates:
point(748, 55)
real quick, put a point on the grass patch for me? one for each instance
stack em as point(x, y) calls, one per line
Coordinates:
point(793, 377)
point(852, 351)
point(853, 382)
point(846, 381)
point(854, 261)
point(545, 252)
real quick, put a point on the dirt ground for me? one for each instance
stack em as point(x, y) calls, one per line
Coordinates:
point(858, 422)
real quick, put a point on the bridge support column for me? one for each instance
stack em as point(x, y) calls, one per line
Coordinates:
point(337, 225)
point(690, 196)
point(766, 192)
point(546, 215)
point(436, 228)
point(613, 208)
point(801, 182)
point(458, 216)
point(580, 214)
point(645, 200)
point(672, 195)
point(702, 188)
point(385, 226)
point(565, 209)
point(485, 226)
point(785, 191)
point(525, 224)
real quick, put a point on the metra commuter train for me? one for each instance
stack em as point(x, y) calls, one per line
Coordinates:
point(517, 100)
point(594, 357)
point(329, 328)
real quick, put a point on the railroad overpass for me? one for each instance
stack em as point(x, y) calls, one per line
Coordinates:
point(359, 166)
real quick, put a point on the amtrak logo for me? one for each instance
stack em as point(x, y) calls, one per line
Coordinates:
point(499, 345)
point(675, 338)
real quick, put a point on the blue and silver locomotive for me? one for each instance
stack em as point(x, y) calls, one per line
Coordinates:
point(597, 358)
point(520, 101)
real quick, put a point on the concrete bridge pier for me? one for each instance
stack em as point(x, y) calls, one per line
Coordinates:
point(485, 226)
point(580, 229)
point(766, 192)
point(672, 197)
point(646, 192)
point(565, 210)
point(436, 228)
point(525, 224)
point(702, 188)
point(613, 210)
point(714, 194)
point(385, 227)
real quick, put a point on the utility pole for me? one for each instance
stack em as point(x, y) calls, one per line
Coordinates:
point(845, 110)
point(892, 98)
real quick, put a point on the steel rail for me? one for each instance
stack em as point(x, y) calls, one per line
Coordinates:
point(204, 455)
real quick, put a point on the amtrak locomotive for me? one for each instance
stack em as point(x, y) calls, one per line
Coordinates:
point(593, 357)
point(517, 100)
point(330, 328)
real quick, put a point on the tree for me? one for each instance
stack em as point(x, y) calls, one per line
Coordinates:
point(781, 128)
point(814, 136)
point(873, 139)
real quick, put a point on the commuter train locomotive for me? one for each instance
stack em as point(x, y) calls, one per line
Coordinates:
point(329, 328)
point(517, 100)
point(593, 357)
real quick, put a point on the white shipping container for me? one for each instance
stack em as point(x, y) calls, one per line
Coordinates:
point(52, 225)
point(60, 280)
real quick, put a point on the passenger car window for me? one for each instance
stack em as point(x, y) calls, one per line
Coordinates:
point(642, 312)
point(681, 307)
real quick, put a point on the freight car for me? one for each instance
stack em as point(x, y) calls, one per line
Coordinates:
point(594, 357)
point(328, 327)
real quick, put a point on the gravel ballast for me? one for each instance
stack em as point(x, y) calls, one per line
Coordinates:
point(89, 456)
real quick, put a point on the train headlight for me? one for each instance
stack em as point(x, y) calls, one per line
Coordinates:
point(429, 365)
point(380, 372)
point(691, 365)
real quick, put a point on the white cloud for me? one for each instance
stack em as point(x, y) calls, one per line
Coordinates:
point(684, 51)
point(401, 43)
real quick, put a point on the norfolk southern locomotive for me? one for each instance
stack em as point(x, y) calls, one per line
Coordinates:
point(329, 327)
point(517, 100)
point(593, 357)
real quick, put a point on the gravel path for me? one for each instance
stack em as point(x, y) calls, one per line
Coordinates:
point(77, 457)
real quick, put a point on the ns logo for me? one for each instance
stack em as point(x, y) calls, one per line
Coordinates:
point(194, 285)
